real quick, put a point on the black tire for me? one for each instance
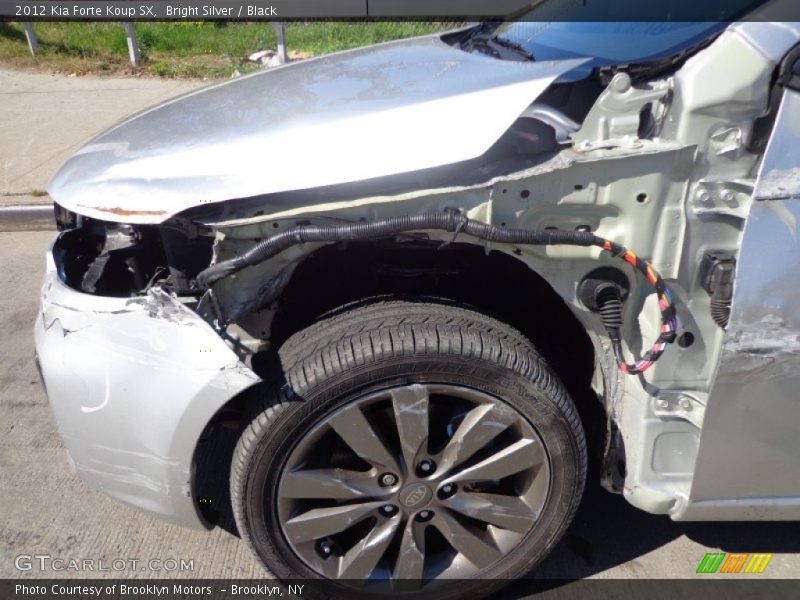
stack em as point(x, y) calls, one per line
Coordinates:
point(394, 343)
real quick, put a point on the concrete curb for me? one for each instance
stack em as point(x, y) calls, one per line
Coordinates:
point(27, 217)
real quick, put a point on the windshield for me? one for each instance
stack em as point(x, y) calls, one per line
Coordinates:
point(607, 43)
point(564, 29)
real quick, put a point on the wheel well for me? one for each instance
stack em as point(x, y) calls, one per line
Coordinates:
point(494, 283)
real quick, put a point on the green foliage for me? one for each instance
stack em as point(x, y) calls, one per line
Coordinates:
point(188, 49)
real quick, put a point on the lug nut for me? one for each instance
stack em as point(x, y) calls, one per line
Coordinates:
point(426, 467)
point(324, 548)
point(447, 491)
point(425, 515)
point(388, 509)
point(388, 479)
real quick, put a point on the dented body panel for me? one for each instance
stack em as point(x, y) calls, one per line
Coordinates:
point(133, 383)
point(750, 445)
point(357, 115)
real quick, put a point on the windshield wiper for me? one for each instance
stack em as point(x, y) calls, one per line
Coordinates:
point(513, 46)
point(483, 40)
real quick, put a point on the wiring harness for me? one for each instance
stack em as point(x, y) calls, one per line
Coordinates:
point(610, 305)
point(456, 222)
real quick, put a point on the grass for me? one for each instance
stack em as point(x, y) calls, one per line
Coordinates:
point(36, 193)
point(185, 49)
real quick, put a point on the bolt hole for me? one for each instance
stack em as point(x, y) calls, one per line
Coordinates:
point(505, 191)
point(325, 549)
point(426, 468)
point(525, 194)
point(551, 228)
point(447, 491)
point(578, 187)
point(503, 224)
point(686, 339)
point(275, 225)
point(388, 479)
point(641, 198)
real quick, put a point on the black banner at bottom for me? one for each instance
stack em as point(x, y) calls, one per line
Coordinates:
point(221, 589)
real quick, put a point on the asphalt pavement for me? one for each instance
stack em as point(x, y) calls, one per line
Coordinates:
point(45, 510)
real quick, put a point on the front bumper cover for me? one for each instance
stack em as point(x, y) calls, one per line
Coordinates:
point(132, 383)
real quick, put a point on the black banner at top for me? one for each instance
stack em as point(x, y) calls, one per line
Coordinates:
point(288, 10)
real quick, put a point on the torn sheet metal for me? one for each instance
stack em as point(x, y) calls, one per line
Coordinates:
point(374, 112)
point(132, 383)
point(780, 173)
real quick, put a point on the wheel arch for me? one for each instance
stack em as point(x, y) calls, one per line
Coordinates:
point(495, 283)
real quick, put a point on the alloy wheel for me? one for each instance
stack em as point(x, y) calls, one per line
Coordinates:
point(422, 481)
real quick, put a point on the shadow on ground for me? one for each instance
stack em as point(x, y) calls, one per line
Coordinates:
point(608, 532)
point(10, 32)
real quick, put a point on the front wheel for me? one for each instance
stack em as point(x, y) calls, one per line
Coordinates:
point(409, 442)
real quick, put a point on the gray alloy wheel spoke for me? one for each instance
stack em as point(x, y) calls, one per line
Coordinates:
point(411, 558)
point(321, 522)
point(361, 559)
point(538, 490)
point(508, 512)
point(480, 426)
point(410, 405)
point(352, 426)
point(468, 541)
point(338, 484)
point(519, 456)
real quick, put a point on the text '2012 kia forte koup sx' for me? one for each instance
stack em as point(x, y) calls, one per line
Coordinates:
point(420, 278)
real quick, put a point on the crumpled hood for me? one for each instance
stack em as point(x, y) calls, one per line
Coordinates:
point(357, 115)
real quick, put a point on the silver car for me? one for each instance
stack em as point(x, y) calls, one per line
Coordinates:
point(431, 284)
